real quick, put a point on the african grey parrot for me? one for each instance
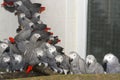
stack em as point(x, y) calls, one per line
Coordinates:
point(77, 64)
point(30, 55)
point(93, 67)
point(44, 35)
point(111, 63)
point(63, 62)
point(9, 5)
point(48, 58)
point(21, 8)
point(5, 62)
point(33, 7)
point(17, 62)
point(25, 33)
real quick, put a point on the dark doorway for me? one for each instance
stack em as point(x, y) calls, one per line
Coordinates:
point(103, 28)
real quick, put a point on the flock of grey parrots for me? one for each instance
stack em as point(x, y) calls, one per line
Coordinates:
point(35, 45)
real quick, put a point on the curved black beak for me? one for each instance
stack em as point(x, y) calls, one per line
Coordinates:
point(7, 49)
point(39, 39)
point(88, 64)
point(105, 65)
point(70, 60)
point(58, 63)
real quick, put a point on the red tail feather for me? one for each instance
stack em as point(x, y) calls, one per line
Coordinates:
point(12, 40)
point(42, 9)
point(29, 69)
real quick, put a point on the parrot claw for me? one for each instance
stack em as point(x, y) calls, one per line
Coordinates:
point(61, 71)
point(71, 72)
point(39, 64)
point(7, 70)
point(46, 65)
point(55, 70)
point(21, 69)
point(65, 71)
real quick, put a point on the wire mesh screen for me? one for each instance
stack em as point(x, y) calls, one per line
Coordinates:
point(103, 28)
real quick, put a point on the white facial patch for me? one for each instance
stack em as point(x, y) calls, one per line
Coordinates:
point(31, 24)
point(3, 46)
point(37, 35)
point(73, 55)
point(22, 15)
point(40, 22)
point(47, 45)
point(37, 15)
point(19, 3)
point(52, 49)
point(18, 58)
point(59, 58)
point(109, 58)
point(6, 59)
point(90, 59)
point(39, 52)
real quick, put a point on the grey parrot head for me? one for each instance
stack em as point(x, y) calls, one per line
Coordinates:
point(3, 47)
point(18, 58)
point(35, 37)
point(109, 59)
point(51, 49)
point(72, 55)
point(18, 3)
point(36, 17)
point(59, 59)
point(90, 59)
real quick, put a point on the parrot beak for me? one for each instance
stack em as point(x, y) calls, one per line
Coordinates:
point(70, 60)
point(58, 63)
point(39, 39)
point(18, 30)
point(105, 65)
point(88, 64)
point(7, 49)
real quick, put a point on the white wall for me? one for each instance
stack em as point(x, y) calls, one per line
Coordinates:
point(8, 23)
point(67, 18)
point(76, 19)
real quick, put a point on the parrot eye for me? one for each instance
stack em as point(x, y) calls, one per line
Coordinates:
point(61, 58)
point(31, 25)
point(37, 35)
point(38, 17)
point(4, 46)
point(74, 55)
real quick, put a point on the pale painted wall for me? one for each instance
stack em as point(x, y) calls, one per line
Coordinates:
point(8, 23)
point(76, 28)
point(67, 18)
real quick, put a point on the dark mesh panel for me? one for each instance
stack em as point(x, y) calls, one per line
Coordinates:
point(103, 28)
